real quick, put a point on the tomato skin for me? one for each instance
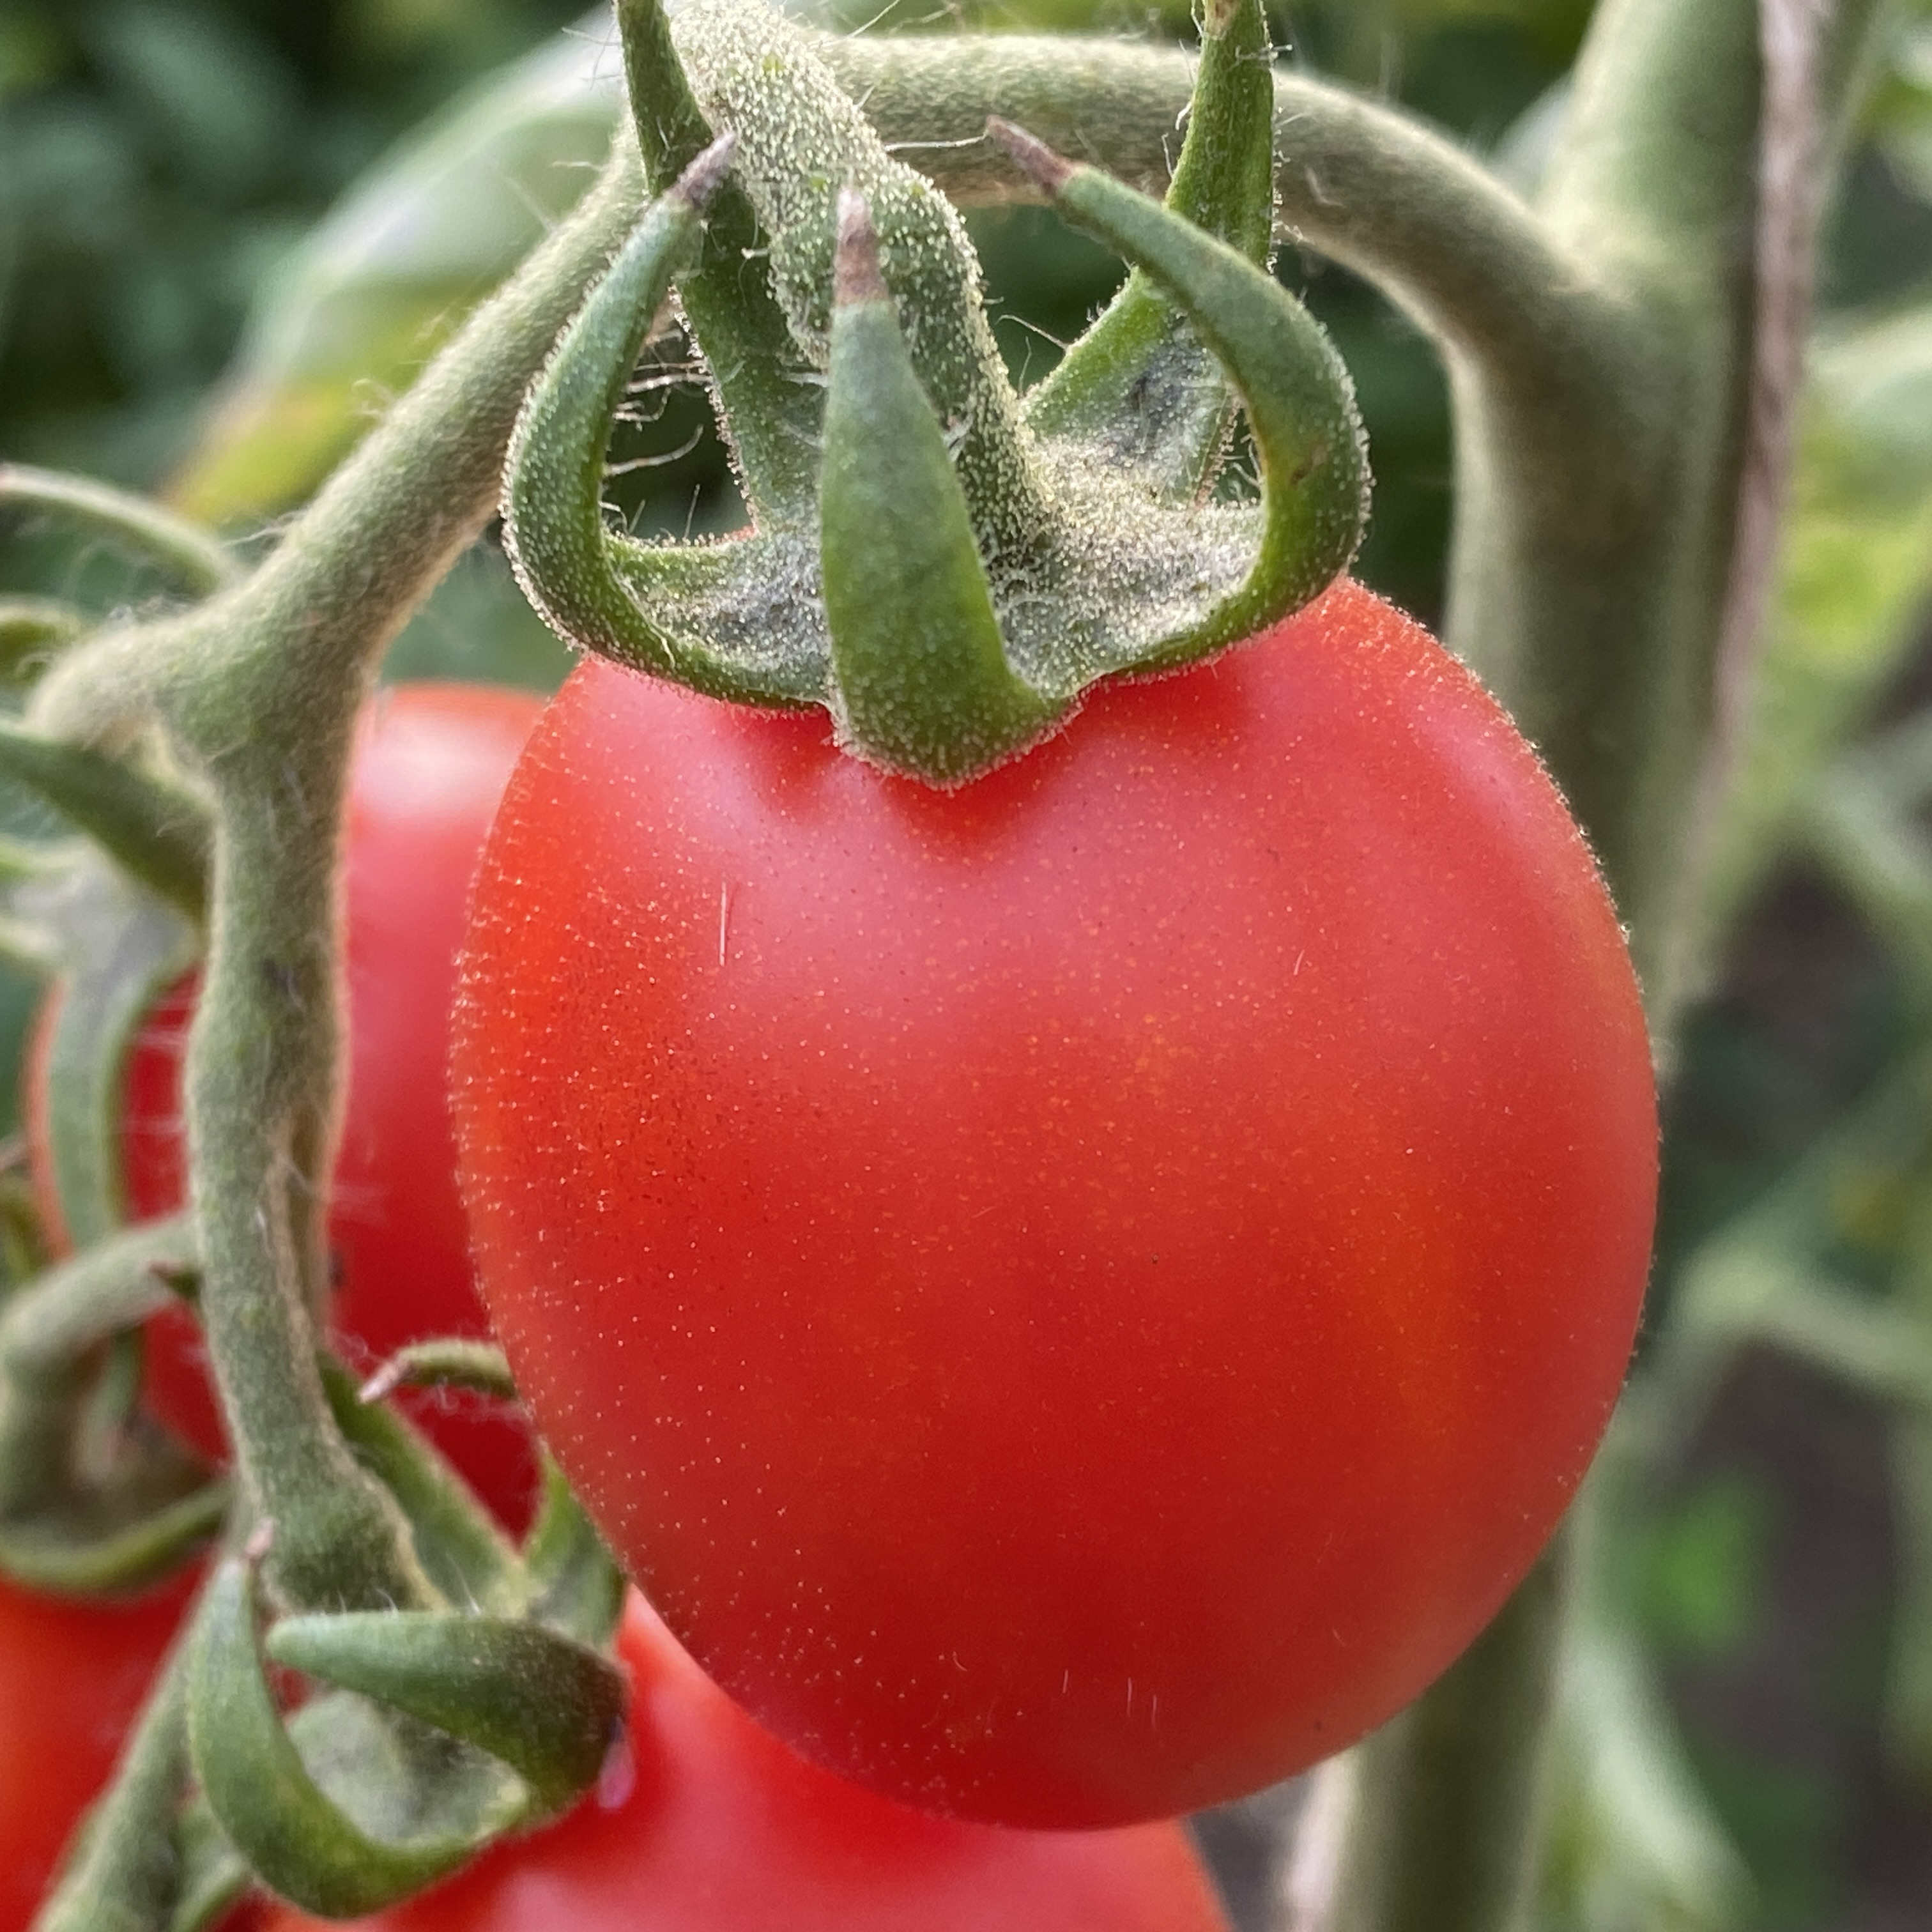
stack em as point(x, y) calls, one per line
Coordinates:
point(430, 765)
point(72, 1677)
point(722, 1829)
point(1077, 1296)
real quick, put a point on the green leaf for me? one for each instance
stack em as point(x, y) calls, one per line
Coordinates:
point(371, 294)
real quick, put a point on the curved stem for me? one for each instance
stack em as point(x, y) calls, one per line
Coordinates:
point(259, 689)
point(1691, 173)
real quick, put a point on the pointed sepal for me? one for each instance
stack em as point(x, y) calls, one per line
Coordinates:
point(574, 1582)
point(1300, 402)
point(922, 684)
point(553, 519)
point(547, 1706)
point(1140, 390)
point(298, 1838)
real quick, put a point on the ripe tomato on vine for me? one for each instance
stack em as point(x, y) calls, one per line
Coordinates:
point(1078, 1296)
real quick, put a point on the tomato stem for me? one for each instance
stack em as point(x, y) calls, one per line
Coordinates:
point(256, 690)
point(730, 300)
point(261, 1071)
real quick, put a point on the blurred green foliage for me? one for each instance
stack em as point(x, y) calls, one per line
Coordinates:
point(229, 230)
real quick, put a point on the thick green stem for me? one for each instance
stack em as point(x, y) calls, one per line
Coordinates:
point(259, 689)
point(1594, 575)
point(1610, 558)
point(1590, 580)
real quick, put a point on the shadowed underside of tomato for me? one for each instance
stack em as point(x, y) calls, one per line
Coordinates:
point(716, 1827)
point(430, 765)
point(72, 1677)
point(1078, 1296)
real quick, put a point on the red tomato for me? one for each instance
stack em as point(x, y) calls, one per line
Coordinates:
point(430, 763)
point(715, 1827)
point(1079, 1296)
point(72, 1677)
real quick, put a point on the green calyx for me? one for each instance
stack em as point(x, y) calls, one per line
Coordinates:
point(944, 565)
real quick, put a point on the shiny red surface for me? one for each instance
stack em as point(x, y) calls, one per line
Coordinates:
point(1080, 1296)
